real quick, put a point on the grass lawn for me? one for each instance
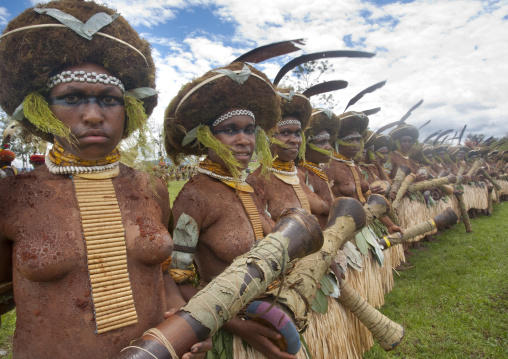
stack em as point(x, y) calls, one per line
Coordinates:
point(453, 303)
point(174, 188)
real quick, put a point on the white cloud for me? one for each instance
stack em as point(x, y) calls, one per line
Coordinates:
point(4, 16)
point(451, 53)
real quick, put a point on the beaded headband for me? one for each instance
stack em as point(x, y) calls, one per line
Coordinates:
point(82, 76)
point(233, 113)
point(350, 137)
point(319, 137)
point(289, 122)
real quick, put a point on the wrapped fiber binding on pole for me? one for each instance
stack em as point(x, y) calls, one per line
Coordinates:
point(463, 211)
point(421, 186)
point(387, 333)
point(475, 167)
point(408, 181)
point(347, 216)
point(296, 234)
point(448, 217)
point(491, 180)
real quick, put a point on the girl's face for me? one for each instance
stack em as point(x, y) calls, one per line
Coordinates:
point(94, 112)
point(237, 132)
point(324, 143)
point(291, 135)
point(351, 150)
point(406, 142)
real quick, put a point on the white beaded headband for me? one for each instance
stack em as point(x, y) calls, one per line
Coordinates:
point(288, 122)
point(234, 113)
point(82, 76)
point(319, 137)
point(350, 137)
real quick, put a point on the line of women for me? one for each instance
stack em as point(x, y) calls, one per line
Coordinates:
point(86, 240)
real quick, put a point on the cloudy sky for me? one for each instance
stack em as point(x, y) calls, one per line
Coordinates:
point(453, 54)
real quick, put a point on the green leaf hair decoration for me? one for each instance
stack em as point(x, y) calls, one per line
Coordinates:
point(207, 139)
point(263, 150)
point(439, 159)
point(380, 155)
point(342, 143)
point(190, 136)
point(360, 150)
point(372, 156)
point(88, 29)
point(277, 142)
point(288, 96)
point(135, 113)
point(397, 143)
point(301, 150)
point(239, 78)
point(426, 160)
point(319, 149)
point(37, 111)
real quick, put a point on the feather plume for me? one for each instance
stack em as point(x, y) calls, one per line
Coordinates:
point(362, 93)
point(325, 87)
point(462, 133)
point(269, 51)
point(432, 135)
point(318, 56)
point(386, 127)
point(425, 124)
point(441, 135)
point(372, 111)
point(404, 118)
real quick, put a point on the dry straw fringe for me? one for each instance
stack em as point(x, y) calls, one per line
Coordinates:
point(475, 197)
point(373, 282)
point(396, 255)
point(246, 352)
point(504, 187)
point(363, 339)
point(386, 272)
point(412, 213)
point(331, 335)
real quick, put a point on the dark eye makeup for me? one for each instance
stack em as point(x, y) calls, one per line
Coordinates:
point(76, 99)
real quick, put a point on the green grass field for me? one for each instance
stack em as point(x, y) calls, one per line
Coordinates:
point(453, 303)
point(173, 188)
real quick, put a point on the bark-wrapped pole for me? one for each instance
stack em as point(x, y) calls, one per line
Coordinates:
point(463, 211)
point(296, 235)
point(423, 185)
point(491, 180)
point(462, 169)
point(475, 167)
point(408, 181)
point(401, 173)
point(346, 217)
point(445, 218)
point(387, 333)
point(490, 207)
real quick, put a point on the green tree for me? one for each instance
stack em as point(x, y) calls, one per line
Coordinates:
point(309, 74)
